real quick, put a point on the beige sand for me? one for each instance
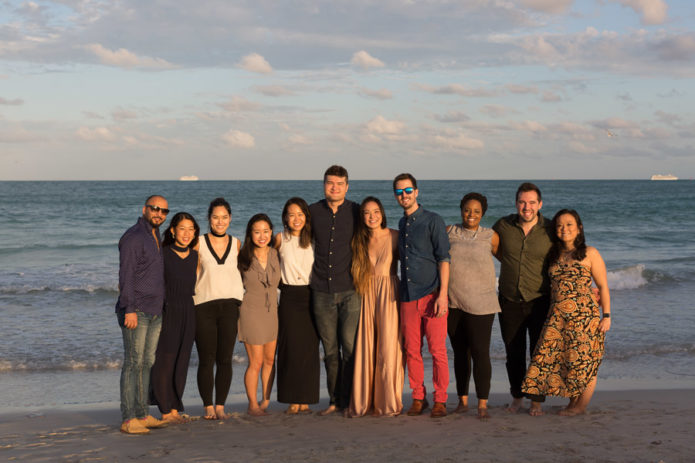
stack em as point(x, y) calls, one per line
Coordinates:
point(633, 426)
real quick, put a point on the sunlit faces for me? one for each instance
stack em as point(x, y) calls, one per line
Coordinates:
point(407, 201)
point(295, 218)
point(471, 214)
point(155, 218)
point(184, 233)
point(567, 229)
point(219, 220)
point(335, 188)
point(261, 233)
point(372, 215)
point(528, 205)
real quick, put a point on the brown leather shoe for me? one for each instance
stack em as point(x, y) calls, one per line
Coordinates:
point(418, 407)
point(439, 410)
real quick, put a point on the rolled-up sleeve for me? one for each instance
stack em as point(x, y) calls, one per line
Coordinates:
point(440, 240)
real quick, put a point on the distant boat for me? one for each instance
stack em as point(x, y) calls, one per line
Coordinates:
point(188, 178)
point(664, 177)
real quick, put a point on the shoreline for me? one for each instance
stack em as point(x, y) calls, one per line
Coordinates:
point(650, 425)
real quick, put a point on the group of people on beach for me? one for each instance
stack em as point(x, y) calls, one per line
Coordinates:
point(335, 265)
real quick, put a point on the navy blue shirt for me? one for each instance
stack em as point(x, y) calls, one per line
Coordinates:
point(422, 245)
point(332, 246)
point(141, 271)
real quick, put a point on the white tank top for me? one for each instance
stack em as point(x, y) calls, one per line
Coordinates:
point(218, 278)
point(295, 261)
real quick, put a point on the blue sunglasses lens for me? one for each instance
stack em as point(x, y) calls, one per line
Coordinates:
point(400, 191)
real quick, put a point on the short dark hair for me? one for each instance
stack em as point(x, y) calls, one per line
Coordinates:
point(216, 203)
point(338, 171)
point(405, 176)
point(477, 197)
point(526, 187)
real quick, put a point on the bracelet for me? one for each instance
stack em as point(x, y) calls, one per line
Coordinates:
point(607, 315)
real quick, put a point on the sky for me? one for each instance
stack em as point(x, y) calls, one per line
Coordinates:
point(281, 89)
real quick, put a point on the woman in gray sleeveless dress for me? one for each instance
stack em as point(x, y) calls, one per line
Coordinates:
point(472, 300)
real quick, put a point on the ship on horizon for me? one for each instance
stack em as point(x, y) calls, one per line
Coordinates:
point(188, 178)
point(664, 177)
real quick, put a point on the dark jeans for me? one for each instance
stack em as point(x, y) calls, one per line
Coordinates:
point(470, 339)
point(337, 316)
point(215, 336)
point(517, 319)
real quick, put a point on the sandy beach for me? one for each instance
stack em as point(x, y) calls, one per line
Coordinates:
point(621, 426)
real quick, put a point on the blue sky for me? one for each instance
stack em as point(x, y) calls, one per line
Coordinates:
point(468, 89)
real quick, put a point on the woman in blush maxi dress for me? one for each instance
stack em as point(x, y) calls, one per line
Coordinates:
point(379, 363)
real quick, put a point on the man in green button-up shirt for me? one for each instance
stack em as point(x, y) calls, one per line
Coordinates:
point(523, 285)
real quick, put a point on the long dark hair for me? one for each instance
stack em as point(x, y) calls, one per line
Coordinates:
point(579, 242)
point(175, 221)
point(219, 202)
point(305, 234)
point(246, 252)
point(361, 265)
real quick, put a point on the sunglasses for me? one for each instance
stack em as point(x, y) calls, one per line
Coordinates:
point(400, 191)
point(157, 209)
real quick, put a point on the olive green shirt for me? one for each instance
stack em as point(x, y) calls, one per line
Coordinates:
point(523, 258)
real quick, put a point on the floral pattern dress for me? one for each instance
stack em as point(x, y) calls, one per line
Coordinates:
point(570, 349)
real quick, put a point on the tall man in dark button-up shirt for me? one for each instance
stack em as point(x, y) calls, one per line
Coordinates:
point(139, 312)
point(336, 305)
point(423, 246)
point(523, 286)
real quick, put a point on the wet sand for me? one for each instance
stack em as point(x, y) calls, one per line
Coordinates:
point(620, 426)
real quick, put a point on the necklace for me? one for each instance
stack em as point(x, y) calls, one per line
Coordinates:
point(220, 235)
point(179, 248)
point(469, 234)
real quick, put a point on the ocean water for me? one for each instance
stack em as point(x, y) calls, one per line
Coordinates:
point(60, 344)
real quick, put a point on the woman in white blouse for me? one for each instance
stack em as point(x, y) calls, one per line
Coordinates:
point(298, 366)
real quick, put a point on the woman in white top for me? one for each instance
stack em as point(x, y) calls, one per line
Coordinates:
point(298, 366)
point(218, 294)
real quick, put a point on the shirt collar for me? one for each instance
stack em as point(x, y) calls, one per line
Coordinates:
point(414, 215)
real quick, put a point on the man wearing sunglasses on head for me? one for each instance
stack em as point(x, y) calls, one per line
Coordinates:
point(423, 246)
point(139, 312)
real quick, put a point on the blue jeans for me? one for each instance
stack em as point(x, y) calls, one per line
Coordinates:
point(337, 317)
point(139, 345)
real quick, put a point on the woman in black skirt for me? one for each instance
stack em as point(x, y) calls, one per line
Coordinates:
point(178, 319)
point(298, 343)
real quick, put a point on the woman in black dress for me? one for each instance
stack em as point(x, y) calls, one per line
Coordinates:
point(178, 320)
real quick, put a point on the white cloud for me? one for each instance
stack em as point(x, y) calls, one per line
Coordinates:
point(239, 139)
point(255, 63)
point(456, 89)
point(126, 59)
point(381, 94)
point(364, 60)
point(495, 110)
point(457, 141)
point(103, 134)
point(123, 114)
point(274, 90)
point(381, 126)
point(239, 104)
point(530, 126)
point(521, 89)
point(550, 97)
point(452, 116)
point(12, 102)
point(548, 6)
point(297, 139)
point(652, 11)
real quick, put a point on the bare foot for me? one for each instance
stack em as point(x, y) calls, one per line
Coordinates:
point(515, 406)
point(330, 410)
point(571, 412)
point(462, 407)
point(210, 413)
point(264, 404)
point(173, 417)
point(220, 413)
point(483, 413)
point(256, 411)
point(293, 409)
point(536, 409)
point(304, 409)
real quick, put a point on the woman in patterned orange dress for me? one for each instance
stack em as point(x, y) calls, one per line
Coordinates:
point(566, 360)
